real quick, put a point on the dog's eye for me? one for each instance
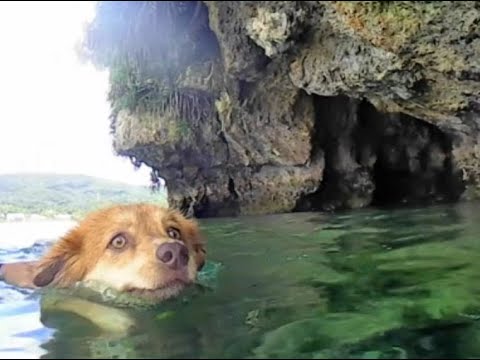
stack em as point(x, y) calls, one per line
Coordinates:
point(118, 242)
point(173, 233)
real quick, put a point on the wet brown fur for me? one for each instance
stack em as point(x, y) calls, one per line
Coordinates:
point(84, 253)
point(73, 257)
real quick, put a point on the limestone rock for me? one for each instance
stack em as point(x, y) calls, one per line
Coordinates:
point(321, 105)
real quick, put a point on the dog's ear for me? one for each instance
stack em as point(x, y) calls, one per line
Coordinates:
point(49, 271)
point(201, 254)
point(199, 244)
point(59, 261)
point(192, 231)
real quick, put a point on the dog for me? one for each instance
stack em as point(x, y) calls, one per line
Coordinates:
point(141, 249)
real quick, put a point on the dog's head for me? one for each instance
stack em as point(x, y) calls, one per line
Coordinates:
point(143, 249)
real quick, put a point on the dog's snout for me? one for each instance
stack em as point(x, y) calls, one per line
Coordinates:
point(174, 255)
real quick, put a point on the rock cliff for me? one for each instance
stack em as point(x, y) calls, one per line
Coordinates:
point(276, 106)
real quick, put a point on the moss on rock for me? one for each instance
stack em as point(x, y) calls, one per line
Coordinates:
point(386, 24)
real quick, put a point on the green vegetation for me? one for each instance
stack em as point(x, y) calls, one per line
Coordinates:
point(49, 195)
point(370, 284)
point(147, 46)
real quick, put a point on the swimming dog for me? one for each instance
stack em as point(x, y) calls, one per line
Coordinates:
point(140, 249)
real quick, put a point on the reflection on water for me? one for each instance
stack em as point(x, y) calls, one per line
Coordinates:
point(364, 284)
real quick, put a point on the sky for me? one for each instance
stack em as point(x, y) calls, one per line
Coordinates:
point(53, 108)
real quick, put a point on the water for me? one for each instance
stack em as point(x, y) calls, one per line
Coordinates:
point(365, 284)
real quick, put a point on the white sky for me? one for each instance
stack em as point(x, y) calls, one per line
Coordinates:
point(53, 109)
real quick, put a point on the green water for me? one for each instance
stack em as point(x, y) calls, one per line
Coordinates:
point(365, 284)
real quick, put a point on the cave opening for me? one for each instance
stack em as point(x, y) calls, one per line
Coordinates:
point(413, 161)
point(379, 159)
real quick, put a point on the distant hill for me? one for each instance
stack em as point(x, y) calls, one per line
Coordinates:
point(67, 194)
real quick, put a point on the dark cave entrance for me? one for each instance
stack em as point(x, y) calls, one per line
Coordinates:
point(413, 162)
point(378, 159)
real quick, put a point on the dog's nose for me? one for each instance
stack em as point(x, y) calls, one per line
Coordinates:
point(174, 255)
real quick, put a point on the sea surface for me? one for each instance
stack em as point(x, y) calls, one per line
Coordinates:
point(371, 284)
